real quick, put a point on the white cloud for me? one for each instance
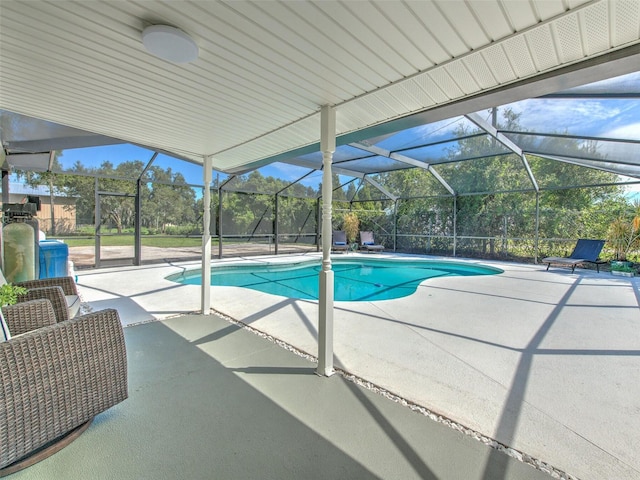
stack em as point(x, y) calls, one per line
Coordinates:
point(558, 115)
point(631, 131)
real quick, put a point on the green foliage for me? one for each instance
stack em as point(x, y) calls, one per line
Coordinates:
point(9, 294)
point(351, 226)
point(495, 199)
point(165, 198)
point(147, 241)
point(622, 266)
point(624, 233)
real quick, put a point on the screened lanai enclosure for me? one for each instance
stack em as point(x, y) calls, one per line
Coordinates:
point(517, 181)
point(502, 129)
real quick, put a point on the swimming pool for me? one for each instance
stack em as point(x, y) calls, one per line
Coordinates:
point(356, 280)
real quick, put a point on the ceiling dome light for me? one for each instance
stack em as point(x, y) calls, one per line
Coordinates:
point(169, 43)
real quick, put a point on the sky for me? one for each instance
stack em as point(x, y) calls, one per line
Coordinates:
point(117, 154)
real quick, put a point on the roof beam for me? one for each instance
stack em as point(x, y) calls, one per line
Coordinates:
point(295, 181)
point(231, 177)
point(404, 159)
point(52, 157)
point(601, 95)
point(493, 131)
point(360, 183)
point(573, 137)
point(442, 180)
point(504, 140)
point(148, 166)
point(384, 191)
point(59, 143)
point(346, 172)
point(587, 163)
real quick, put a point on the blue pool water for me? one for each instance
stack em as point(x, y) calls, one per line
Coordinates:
point(356, 280)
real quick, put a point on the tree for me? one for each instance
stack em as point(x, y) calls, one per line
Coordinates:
point(494, 192)
point(55, 183)
point(168, 200)
point(82, 187)
point(117, 204)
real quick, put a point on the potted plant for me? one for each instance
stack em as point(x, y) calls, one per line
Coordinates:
point(9, 294)
point(623, 269)
point(351, 225)
point(624, 237)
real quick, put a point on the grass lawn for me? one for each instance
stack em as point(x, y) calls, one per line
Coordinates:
point(128, 240)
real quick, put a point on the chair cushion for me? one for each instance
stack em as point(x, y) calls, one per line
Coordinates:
point(4, 330)
point(73, 302)
point(340, 243)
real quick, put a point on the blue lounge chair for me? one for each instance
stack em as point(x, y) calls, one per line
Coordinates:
point(339, 241)
point(585, 251)
point(368, 243)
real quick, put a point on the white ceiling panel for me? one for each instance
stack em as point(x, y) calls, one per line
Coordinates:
point(519, 55)
point(545, 10)
point(462, 77)
point(462, 20)
point(422, 50)
point(480, 70)
point(446, 83)
point(522, 14)
point(626, 21)
point(438, 25)
point(595, 21)
point(498, 64)
point(566, 33)
point(493, 19)
point(542, 48)
point(267, 67)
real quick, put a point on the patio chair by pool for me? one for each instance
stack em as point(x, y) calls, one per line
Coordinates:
point(585, 251)
point(60, 291)
point(368, 243)
point(339, 241)
point(55, 377)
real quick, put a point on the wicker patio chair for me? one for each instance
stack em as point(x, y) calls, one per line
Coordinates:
point(60, 291)
point(54, 378)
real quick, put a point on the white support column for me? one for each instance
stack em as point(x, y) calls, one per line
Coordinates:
point(325, 319)
point(206, 237)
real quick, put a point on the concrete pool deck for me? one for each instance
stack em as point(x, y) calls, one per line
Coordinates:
point(545, 362)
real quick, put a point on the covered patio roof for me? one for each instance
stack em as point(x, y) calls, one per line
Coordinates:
point(265, 69)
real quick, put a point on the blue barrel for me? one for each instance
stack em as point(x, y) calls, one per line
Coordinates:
point(53, 258)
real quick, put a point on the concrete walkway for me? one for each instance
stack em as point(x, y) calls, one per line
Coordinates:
point(209, 400)
point(545, 362)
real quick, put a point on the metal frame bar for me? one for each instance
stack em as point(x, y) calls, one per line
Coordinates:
point(404, 159)
point(571, 137)
point(137, 250)
point(578, 162)
point(504, 140)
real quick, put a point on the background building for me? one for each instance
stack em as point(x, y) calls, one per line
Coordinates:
point(58, 210)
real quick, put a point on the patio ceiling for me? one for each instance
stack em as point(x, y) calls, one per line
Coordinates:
point(265, 68)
